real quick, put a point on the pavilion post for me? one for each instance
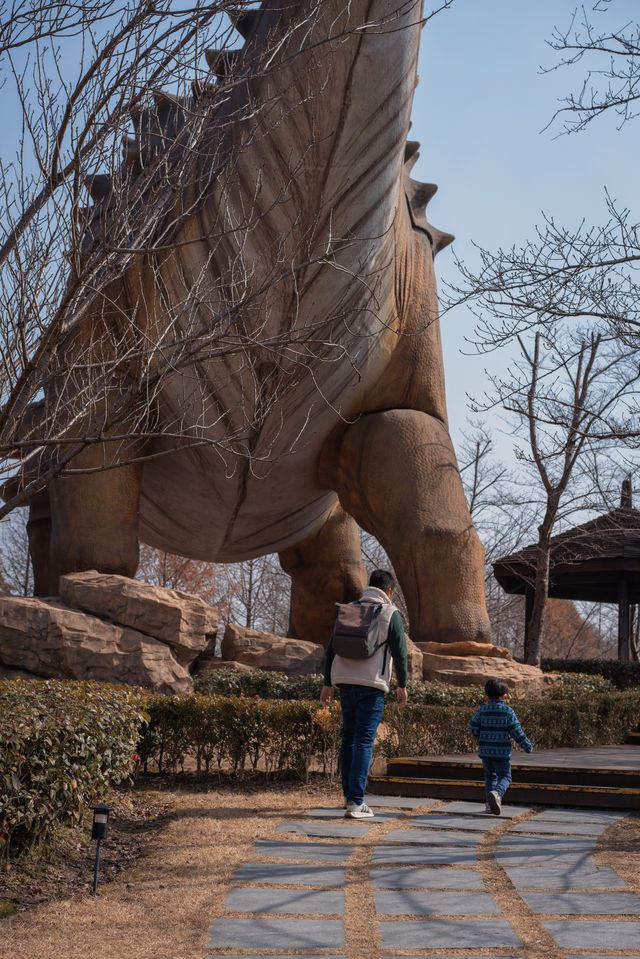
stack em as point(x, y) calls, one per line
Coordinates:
point(623, 619)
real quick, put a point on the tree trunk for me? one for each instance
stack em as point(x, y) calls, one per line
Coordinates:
point(535, 626)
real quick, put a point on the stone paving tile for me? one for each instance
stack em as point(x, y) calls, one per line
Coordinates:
point(594, 934)
point(346, 829)
point(583, 903)
point(560, 828)
point(568, 843)
point(582, 955)
point(401, 902)
point(337, 812)
point(425, 878)
point(310, 902)
point(434, 820)
point(477, 809)
point(398, 802)
point(431, 837)
point(549, 856)
point(580, 815)
point(283, 934)
point(421, 855)
point(548, 877)
point(273, 955)
point(284, 874)
point(303, 851)
point(448, 934)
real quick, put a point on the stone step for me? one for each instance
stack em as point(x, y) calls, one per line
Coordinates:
point(558, 772)
point(548, 794)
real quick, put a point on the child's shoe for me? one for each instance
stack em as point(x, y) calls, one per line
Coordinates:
point(495, 802)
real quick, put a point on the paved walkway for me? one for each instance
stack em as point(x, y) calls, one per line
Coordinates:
point(430, 868)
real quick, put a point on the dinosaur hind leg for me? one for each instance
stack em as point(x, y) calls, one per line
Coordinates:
point(325, 568)
point(396, 473)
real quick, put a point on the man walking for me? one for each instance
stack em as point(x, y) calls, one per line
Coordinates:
point(362, 684)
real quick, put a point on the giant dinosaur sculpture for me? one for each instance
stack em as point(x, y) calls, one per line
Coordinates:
point(328, 183)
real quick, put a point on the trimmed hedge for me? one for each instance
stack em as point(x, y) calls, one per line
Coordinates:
point(238, 733)
point(597, 720)
point(61, 744)
point(267, 684)
point(287, 737)
point(623, 675)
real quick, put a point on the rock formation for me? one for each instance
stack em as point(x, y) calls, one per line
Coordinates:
point(331, 239)
point(269, 651)
point(464, 664)
point(129, 632)
point(184, 622)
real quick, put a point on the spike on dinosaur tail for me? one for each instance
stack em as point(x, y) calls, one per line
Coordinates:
point(418, 196)
point(440, 239)
point(99, 185)
point(243, 20)
point(222, 62)
point(411, 154)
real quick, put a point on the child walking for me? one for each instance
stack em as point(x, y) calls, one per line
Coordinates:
point(493, 726)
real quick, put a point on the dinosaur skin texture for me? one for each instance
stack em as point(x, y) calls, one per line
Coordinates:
point(368, 415)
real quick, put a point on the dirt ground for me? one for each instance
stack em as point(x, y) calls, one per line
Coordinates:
point(184, 843)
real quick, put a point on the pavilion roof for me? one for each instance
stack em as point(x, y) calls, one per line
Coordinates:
point(587, 561)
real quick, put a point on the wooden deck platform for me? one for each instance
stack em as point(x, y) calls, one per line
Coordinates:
point(602, 777)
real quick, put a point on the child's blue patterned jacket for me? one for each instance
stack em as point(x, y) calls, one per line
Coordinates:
point(493, 726)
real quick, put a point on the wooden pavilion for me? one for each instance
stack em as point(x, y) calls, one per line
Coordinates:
point(598, 561)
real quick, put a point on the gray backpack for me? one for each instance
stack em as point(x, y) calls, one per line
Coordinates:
point(354, 635)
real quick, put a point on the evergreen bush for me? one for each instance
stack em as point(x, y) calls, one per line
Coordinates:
point(61, 744)
point(623, 675)
point(238, 733)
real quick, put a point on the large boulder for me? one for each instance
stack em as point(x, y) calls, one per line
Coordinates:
point(415, 664)
point(184, 622)
point(474, 670)
point(468, 648)
point(269, 651)
point(46, 639)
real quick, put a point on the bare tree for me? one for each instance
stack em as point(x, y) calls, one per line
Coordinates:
point(586, 272)
point(569, 395)
point(502, 509)
point(255, 593)
point(160, 568)
point(16, 576)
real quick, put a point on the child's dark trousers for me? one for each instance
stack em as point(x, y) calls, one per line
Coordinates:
point(497, 776)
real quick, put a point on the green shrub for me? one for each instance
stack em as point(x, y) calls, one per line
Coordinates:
point(278, 736)
point(259, 682)
point(593, 720)
point(273, 685)
point(623, 675)
point(61, 744)
point(578, 685)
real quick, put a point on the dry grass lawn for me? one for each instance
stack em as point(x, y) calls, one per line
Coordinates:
point(162, 906)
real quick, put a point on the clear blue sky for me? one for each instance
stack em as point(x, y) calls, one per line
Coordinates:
point(479, 111)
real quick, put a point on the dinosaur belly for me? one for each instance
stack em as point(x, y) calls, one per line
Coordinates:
point(218, 508)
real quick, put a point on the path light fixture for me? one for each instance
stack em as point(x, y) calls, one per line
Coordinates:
point(99, 832)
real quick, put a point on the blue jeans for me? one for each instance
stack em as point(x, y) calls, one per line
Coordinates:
point(362, 708)
point(497, 776)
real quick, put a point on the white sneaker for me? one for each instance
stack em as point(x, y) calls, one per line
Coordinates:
point(358, 812)
point(495, 802)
